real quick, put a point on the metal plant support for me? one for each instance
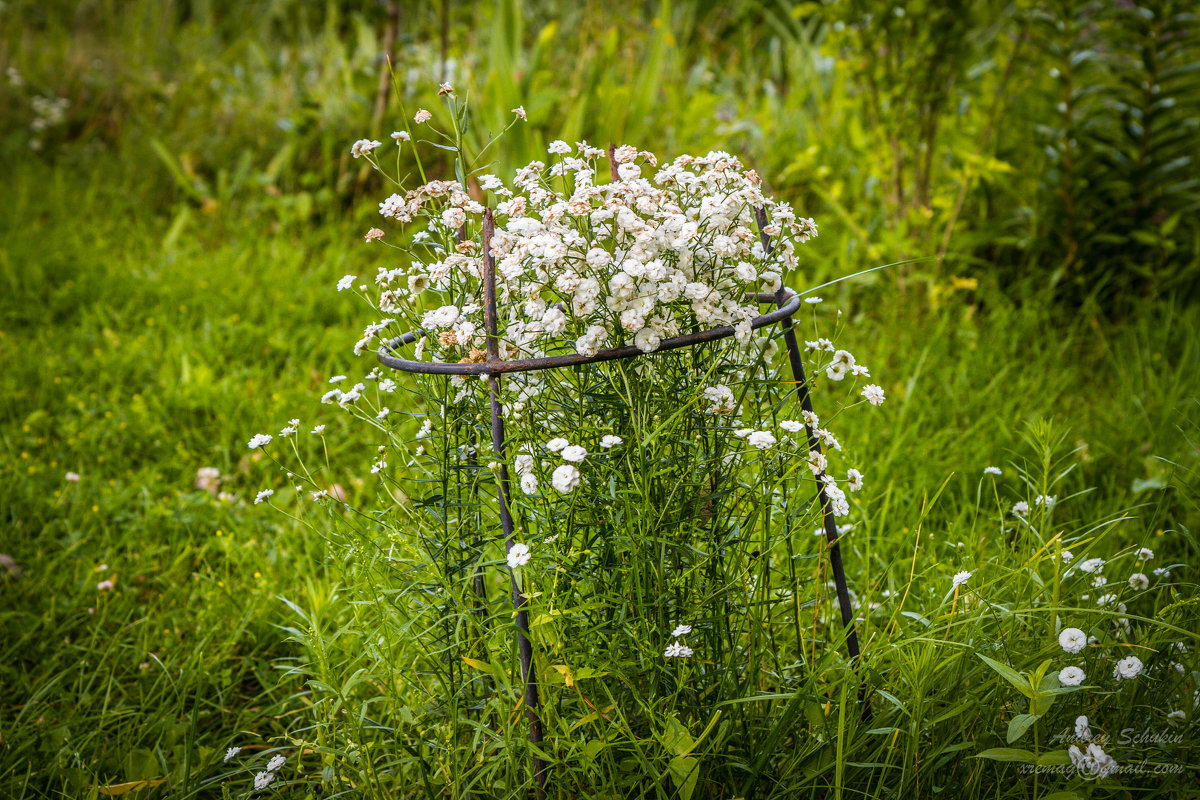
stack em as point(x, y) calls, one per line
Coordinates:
point(787, 303)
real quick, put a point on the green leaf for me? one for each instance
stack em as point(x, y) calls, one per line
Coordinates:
point(1009, 674)
point(685, 771)
point(1019, 724)
point(1054, 758)
point(1009, 754)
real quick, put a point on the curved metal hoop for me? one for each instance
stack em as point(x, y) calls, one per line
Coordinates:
point(495, 367)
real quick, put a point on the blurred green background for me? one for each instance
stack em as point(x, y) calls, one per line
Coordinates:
point(177, 198)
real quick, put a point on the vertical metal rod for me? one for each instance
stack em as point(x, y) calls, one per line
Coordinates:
point(524, 645)
point(814, 445)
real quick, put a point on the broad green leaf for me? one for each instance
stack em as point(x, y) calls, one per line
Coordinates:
point(1009, 754)
point(1019, 724)
point(685, 771)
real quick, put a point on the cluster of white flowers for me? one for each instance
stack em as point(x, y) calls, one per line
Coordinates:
point(582, 266)
point(678, 649)
point(1094, 761)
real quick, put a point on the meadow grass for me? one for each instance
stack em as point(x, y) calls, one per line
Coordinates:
point(135, 356)
point(166, 272)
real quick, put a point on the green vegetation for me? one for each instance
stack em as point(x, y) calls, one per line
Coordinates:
point(167, 256)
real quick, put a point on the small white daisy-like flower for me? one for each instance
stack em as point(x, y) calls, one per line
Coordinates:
point(565, 478)
point(518, 555)
point(556, 444)
point(1072, 640)
point(1045, 500)
point(1083, 731)
point(288, 431)
point(529, 483)
point(791, 426)
point(318, 430)
point(1067, 555)
point(1127, 668)
point(812, 301)
point(682, 630)
point(263, 495)
point(337, 379)
point(873, 393)
point(276, 762)
point(373, 235)
point(259, 440)
point(387, 385)
point(422, 116)
point(677, 650)
point(1071, 676)
point(445, 89)
point(1145, 554)
point(363, 146)
point(573, 453)
point(763, 440)
point(992, 471)
point(1092, 565)
point(262, 780)
point(960, 578)
point(401, 136)
point(231, 753)
point(854, 480)
point(558, 147)
point(383, 412)
point(1160, 571)
point(610, 441)
point(346, 282)
point(71, 477)
point(1177, 716)
point(520, 112)
point(1139, 581)
point(378, 466)
point(1020, 508)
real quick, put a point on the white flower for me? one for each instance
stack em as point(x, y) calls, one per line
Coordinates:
point(677, 650)
point(1127, 668)
point(1138, 580)
point(1045, 500)
point(573, 453)
point(1072, 640)
point(611, 441)
point(854, 480)
point(518, 555)
point(720, 399)
point(960, 578)
point(262, 780)
point(873, 393)
point(263, 495)
point(422, 116)
point(346, 282)
point(1092, 565)
point(362, 147)
point(763, 440)
point(337, 379)
point(565, 478)
point(682, 630)
point(276, 762)
point(520, 112)
point(1067, 555)
point(647, 340)
point(558, 147)
point(556, 444)
point(1145, 554)
point(426, 428)
point(71, 477)
point(1177, 716)
point(1020, 508)
point(816, 461)
point(401, 136)
point(319, 430)
point(992, 471)
point(1071, 676)
point(1082, 731)
point(529, 483)
point(812, 301)
point(791, 426)
point(259, 440)
point(231, 752)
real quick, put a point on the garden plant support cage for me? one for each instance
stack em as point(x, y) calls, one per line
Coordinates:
point(787, 302)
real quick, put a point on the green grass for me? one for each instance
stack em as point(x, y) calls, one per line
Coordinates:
point(160, 304)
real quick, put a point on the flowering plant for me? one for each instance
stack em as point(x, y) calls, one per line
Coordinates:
point(658, 541)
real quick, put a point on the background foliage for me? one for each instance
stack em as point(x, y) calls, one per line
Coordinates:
point(179, 196)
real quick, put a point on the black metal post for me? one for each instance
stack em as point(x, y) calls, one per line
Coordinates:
point(524, 645)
